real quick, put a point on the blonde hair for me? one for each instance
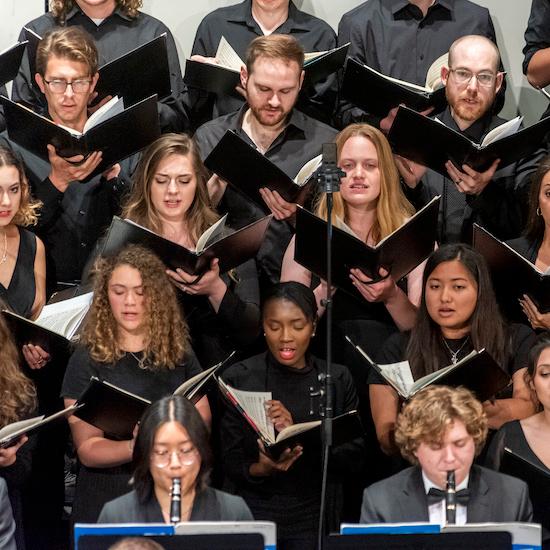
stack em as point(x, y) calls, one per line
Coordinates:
point(27, 214)
point(60, 8)
point(139, 206)
point(17, 395)
point(392, 208)
point(430, 413)
point(72, 43)
point(167, 335)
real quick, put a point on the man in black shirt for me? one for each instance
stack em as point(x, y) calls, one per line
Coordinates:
point(496, 199)
point(536, 63)
point(402, 38)
point(77, 207)
point(269, 122)
point(117, 28)
point(239, 24)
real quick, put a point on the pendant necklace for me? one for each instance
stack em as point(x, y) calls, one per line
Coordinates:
point(140, 360)
point(454, 354)
point(5, 253)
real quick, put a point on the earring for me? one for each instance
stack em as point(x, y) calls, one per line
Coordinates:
point(538, 211)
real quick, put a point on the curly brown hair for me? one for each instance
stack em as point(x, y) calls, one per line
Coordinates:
point(167, 334)
point(18, 395)
point(428, 415)
point(139, 207)
point(60, 8)
point(28, 207)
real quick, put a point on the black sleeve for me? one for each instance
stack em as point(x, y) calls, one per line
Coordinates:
point(192, 365)
point(393, 351)
point(496, 448)
point(537, 34)
point(78, 373)
point(522, 340)
point(239, 311)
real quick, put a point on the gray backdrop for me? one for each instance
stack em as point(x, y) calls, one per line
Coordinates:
point(183, 16)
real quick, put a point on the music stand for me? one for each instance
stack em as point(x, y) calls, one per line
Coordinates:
point(421, 541)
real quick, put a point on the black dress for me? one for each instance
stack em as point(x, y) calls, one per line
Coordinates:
point(21, 291)
point(96, 486)
point(291, 499)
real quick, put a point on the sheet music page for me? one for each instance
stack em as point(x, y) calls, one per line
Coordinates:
point(65, 316)
point(433, 78)
point(307, 170)
point(211, 234)
point(253, 403)
point(227, 56)
point(400, 374)
point(507, 129)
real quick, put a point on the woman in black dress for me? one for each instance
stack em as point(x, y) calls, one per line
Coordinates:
point(458, 313)
point(534, 245)
point(135, 338)
point(287, 490)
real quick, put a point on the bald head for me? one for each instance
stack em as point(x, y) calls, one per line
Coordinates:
point(474, 45)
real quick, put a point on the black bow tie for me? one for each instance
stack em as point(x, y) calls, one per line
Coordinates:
point(437, 495)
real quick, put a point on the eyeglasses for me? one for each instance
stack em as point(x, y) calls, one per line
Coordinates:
point(58, 86)
point(185, 457)
point(463, 76)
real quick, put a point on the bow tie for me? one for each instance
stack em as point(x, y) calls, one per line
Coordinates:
point(437, 495)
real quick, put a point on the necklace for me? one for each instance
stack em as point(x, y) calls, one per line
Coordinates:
point(140, 360)
point(454, 354)
point(5, 253)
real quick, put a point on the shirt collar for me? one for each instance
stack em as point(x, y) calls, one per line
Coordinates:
point(297, 119)
point(475, 131)
point(398, 5)
point(76, 9)
point(428, 483)
point(242, 13)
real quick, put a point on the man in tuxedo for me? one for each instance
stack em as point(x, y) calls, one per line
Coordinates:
point(7, 525)
point(439, 430)
point(495, 198)
point(270, 123)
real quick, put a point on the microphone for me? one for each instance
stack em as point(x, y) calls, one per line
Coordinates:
point(450, 498)
point(175, 501)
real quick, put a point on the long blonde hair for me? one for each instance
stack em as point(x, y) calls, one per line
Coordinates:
point(139, 206)
point(167, 334)
point(392, 207)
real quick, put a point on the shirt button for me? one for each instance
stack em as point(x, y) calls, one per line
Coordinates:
point(82, 212)
point(83, 245)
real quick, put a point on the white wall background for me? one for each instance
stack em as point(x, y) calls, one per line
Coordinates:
point(183, 16)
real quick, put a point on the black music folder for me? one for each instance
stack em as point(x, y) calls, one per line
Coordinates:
point(377, 93)
point(319, 65)
point(431, 143)
point(537, 479)
point(232, 249)
point(253, 170)
point(10, 60)
point(117, 136)
point(478, 372)
point(140, 73)
point(512, 274)
point(399, 253)
point(135, 75)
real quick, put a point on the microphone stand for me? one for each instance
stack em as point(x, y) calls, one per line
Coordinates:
point(328, 177)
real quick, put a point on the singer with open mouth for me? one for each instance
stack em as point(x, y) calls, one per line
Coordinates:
point(172, 446)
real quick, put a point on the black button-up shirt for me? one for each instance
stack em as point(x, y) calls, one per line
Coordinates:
point(537, 34)
point(114, 36)
point(239, 28)
point(501, 207)
point(393, 37)
point(299, 142)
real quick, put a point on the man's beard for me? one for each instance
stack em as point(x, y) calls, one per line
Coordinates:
point(259, 114)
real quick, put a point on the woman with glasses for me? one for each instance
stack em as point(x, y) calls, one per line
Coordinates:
point(135, 338)
point(172, 443)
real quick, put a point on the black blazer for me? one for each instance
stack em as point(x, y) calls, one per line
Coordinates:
point(495, 497)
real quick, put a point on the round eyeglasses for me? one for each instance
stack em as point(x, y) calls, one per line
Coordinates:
point(185, 457)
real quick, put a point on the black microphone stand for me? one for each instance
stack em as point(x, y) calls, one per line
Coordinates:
point(328, 177)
